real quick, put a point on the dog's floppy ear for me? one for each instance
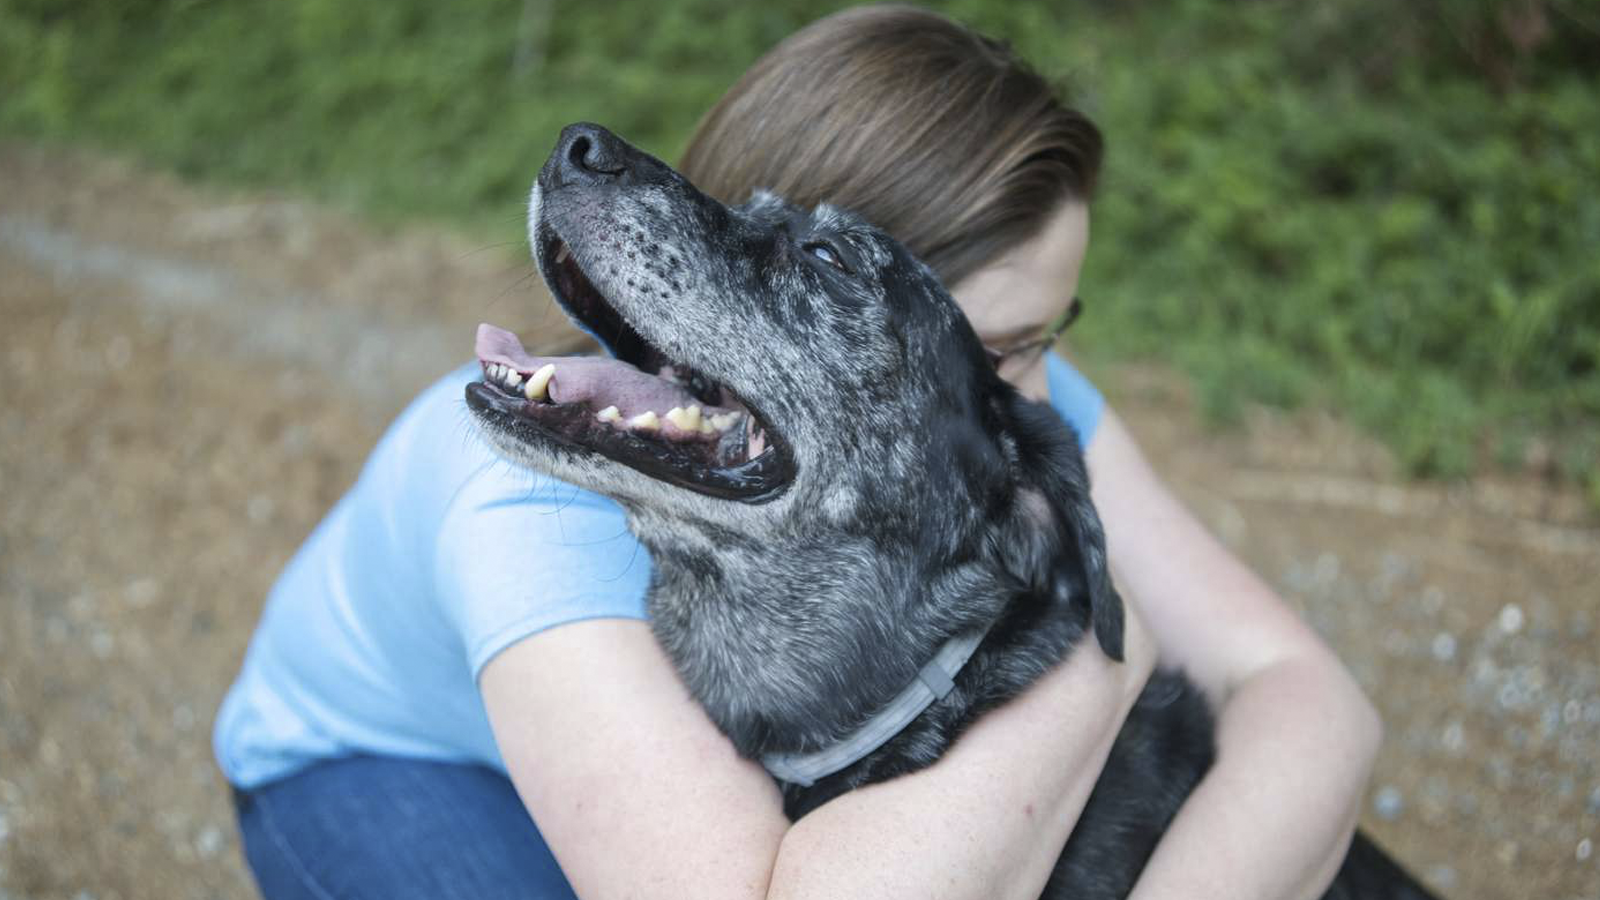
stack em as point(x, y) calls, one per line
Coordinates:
point(1055, 542)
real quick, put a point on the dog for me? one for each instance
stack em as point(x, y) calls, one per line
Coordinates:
point(863, 537)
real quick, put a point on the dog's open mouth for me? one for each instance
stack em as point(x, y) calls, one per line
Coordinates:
point(641, 408)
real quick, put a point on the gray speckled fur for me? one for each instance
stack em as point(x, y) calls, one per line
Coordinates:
point(793, 620)
point(929, 497)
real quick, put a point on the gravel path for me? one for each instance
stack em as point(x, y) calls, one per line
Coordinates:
point(189, 379)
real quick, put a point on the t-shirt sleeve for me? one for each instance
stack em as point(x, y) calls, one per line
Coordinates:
point(518, 554)
point(1074, 397)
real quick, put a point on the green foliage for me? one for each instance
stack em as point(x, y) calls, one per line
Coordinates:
point(398, 108)
point(1386, 207)
point(1407, 238)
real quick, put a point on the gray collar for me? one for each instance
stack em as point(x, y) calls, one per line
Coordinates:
point(933, 682)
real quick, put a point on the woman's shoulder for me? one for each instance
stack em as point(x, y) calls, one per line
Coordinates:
point(1072, 395)
point(513, 551)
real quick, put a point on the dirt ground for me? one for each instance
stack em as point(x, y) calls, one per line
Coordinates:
point(189, 379)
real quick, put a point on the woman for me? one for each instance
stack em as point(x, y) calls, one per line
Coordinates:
point(409, 659)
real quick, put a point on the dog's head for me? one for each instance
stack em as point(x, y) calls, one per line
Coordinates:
point(782, 376)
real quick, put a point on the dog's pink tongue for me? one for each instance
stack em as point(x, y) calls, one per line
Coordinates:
point(501, 346)
point(597, 380)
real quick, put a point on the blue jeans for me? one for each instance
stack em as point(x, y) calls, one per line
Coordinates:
point(379, 827)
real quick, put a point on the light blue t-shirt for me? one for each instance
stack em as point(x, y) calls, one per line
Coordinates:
point(439, 557)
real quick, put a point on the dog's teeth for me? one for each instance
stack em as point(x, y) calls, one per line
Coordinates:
point(609, 414)
point(724, 421)
point(513, 379)
point(646, 421)
point(539, 382)
point(685, 419)
point(563, 253)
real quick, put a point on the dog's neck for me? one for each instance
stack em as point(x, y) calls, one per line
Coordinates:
point(788, 655)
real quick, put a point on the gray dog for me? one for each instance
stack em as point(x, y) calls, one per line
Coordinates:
point(863, 537)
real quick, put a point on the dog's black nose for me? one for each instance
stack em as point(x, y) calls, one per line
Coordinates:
point(589, 154)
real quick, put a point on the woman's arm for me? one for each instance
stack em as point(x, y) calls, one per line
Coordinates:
point(638, 794)
point(1296, 736)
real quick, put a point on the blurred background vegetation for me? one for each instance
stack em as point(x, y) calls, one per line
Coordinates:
point(1387, 208)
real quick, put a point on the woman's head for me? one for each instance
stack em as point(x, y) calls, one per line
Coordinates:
point(938, 135)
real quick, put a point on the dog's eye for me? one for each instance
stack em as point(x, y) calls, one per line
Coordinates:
point(826, 253)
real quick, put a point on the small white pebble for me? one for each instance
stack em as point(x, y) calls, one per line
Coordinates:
point(1454, 737)
point(1585, 849)
point(1387, 802)
point(1510, 696)
point(209, 842)
point(1444, 646)
point(1511, 618)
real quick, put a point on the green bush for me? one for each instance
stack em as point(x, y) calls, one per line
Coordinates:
point(1293, 217)
point(1387, 208)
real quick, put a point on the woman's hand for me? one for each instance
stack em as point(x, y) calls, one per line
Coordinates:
point(1296, 736)
point(989, 819)
point(638, 794)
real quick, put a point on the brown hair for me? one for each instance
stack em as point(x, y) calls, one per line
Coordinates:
point(933, 132)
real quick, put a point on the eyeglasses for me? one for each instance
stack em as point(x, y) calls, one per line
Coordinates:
point(1034, 348)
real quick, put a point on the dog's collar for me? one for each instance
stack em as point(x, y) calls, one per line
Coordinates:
point(933, 682)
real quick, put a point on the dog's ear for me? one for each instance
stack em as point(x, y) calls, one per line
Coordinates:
point(1053, 538)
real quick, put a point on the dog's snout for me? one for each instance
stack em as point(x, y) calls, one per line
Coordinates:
point(589, 154)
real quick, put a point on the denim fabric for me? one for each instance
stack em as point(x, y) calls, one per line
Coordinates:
point(391, 829)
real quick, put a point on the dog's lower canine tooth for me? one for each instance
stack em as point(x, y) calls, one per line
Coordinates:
point(646, 421)
point(609, 414)
point(563, 253)
point(539, 382)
